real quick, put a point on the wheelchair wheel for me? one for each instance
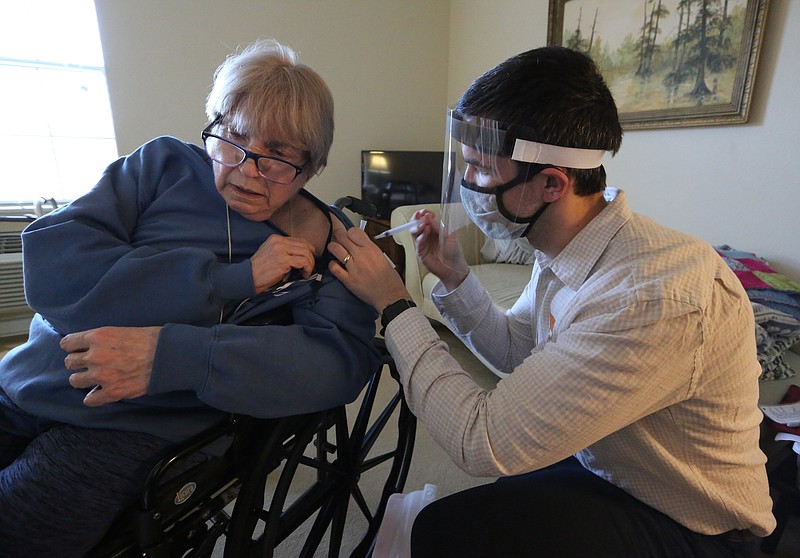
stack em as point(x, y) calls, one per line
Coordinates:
point(330, 456)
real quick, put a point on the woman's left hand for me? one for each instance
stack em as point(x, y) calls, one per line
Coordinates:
point(365, 270)
point(116, 362)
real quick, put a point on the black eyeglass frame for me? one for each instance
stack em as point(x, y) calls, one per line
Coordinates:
point(298, 170)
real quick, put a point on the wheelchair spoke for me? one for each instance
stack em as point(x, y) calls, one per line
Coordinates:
point(361, 502)
point(338, 523)
point(377, 428)
point(317, 532)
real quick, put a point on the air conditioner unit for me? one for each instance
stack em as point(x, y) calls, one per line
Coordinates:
point(15, 315)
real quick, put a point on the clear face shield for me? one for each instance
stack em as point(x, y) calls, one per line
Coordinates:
point(489, 166)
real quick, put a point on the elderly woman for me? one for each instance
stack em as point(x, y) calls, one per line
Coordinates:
point(157, 311)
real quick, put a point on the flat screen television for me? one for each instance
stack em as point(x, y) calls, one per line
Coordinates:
point(393, 178)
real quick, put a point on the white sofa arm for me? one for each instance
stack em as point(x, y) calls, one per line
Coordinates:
point(504, 282)
point(471, 239)
point(415, 271)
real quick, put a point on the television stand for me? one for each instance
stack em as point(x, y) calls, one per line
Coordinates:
point(375, 226)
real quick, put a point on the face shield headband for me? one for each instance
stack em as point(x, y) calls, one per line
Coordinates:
point(495, 138)
point(487, 160)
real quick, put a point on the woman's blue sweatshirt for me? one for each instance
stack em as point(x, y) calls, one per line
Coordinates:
point(148, 246)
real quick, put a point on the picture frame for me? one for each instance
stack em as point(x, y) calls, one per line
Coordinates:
point(668, 63)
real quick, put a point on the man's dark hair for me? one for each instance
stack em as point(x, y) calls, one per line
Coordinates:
point(560, 96)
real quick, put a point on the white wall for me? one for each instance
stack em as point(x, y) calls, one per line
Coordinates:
point(738, 185)
point(384, 61)
point(393, 65)
point(483, 34)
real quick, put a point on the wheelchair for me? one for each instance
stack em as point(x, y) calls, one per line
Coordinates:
point(327, 453)
point(283, 486)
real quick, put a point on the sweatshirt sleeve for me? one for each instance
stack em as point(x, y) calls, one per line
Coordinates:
point(94, 262)
point(321, 361)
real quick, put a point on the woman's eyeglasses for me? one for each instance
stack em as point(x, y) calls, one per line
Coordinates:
point(228, 153)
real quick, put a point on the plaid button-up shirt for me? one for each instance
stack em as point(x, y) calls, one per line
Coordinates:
point(633, 349)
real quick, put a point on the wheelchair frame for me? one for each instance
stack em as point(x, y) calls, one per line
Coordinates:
point(185, 514)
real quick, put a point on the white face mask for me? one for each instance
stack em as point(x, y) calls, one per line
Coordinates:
point(483, 211)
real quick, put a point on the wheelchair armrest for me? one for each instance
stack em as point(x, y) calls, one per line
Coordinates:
point(356, 205)
point(203, 440)
point(386, 357)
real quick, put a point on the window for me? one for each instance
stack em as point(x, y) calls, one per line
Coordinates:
point(57, 134)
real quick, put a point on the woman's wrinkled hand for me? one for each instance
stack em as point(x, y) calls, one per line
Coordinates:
point(115, 362)
point(277, 257)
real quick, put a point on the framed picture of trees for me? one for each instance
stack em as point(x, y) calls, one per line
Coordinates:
point(669, 63)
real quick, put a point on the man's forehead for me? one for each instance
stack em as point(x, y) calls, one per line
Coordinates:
point(475, 156)
point(488, 135)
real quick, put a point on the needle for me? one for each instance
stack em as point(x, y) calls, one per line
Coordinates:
point(394, 231)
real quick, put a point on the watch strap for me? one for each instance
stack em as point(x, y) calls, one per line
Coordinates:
point(393, 310)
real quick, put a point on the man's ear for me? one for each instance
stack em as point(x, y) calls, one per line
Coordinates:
point(556, 183)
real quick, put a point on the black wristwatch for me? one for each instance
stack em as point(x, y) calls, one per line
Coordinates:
point(394, 310)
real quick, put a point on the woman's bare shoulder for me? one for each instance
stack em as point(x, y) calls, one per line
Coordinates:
point(313, 222)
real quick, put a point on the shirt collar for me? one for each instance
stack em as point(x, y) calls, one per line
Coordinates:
point(574, 263)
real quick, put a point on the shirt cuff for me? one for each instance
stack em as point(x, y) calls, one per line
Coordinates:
point(464, 306)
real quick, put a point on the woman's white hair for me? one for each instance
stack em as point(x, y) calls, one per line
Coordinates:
point(264, 91)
